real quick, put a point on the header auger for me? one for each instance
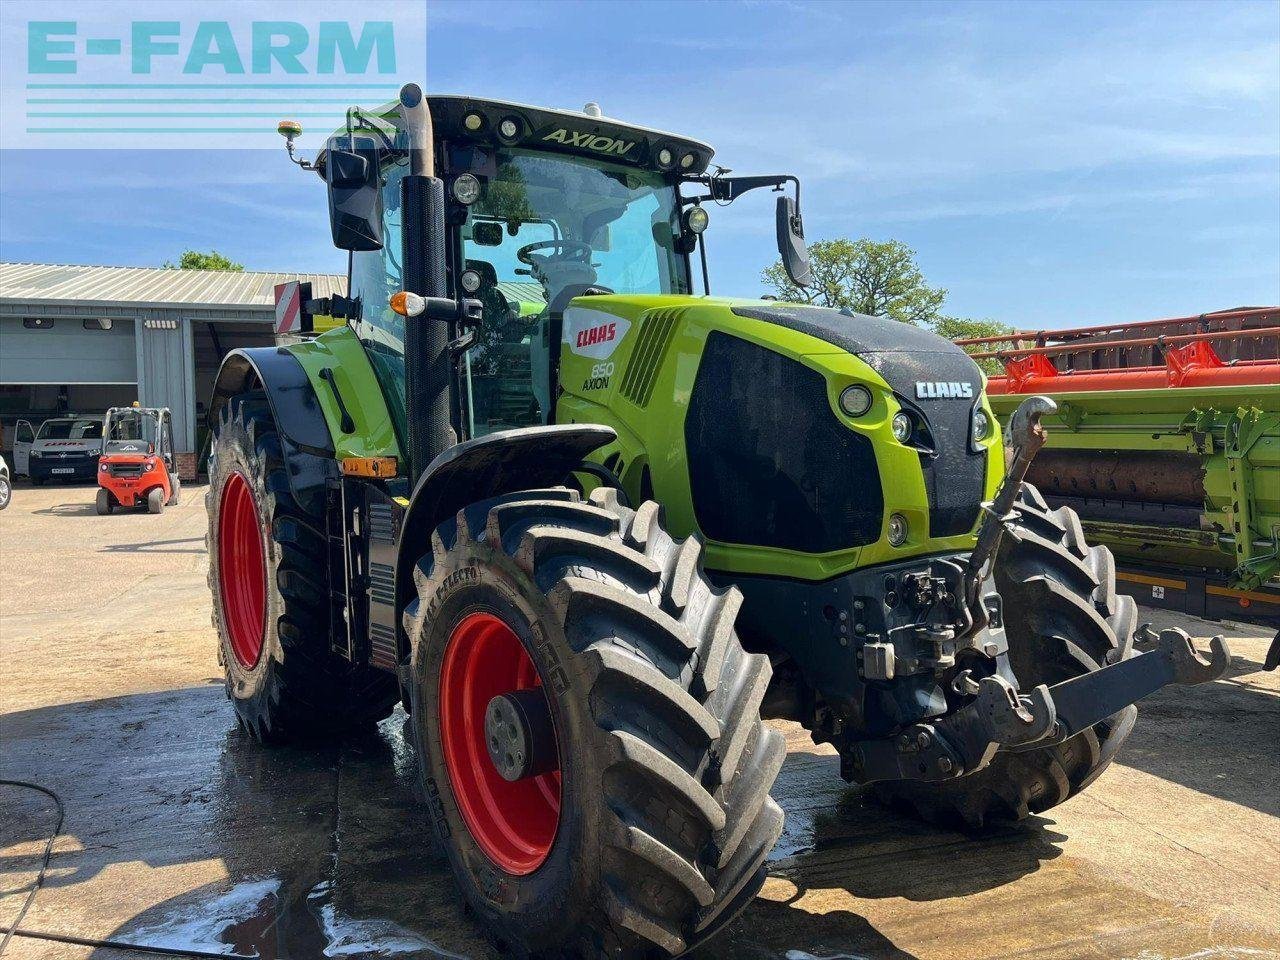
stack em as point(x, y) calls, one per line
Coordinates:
point(589, 527)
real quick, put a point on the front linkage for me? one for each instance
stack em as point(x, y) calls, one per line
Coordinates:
point(956, 616)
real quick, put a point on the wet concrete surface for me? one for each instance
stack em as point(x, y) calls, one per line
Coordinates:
point(180, 832)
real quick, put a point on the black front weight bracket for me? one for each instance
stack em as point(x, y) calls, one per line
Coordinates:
point(998, 718)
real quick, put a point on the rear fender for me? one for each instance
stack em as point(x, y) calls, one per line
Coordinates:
point(490, 466)
point(304, 435)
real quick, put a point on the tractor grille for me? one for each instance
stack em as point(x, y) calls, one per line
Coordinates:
point(769, 462)
point(656, 331)
point(129, 471)
point(954, 475)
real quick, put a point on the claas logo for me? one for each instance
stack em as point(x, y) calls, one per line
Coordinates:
point(602, 333)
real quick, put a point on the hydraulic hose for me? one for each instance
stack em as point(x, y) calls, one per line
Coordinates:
point(16, 929)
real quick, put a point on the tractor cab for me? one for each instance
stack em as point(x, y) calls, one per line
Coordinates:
point(137, 465)
point(542, 206)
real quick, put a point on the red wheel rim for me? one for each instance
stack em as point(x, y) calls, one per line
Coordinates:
point(242, 570)
point(513, 823)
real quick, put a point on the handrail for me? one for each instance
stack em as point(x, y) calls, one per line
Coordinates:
point(1244, 313)
point(1161, 341)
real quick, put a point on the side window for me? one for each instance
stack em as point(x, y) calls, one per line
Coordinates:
point(24, 433)
point(375, 276)
point(508, 363)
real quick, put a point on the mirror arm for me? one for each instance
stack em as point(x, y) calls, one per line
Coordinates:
point(727, 189)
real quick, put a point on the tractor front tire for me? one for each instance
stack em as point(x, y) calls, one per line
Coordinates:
point(271, 594)
point(175, 490)
point(1063, 618)
point(104, 503)
point(645, 826)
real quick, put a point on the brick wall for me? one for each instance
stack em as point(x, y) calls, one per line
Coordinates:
point(187, 466)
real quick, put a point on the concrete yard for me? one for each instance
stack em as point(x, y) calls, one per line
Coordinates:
point(179, 832)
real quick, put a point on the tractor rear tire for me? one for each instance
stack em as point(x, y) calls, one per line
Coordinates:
point(1063, 618)
point(267, 572)
point(104, 503)
point(649, 830)
point(155, 500)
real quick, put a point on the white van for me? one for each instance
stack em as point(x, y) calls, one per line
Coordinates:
point(64, 448)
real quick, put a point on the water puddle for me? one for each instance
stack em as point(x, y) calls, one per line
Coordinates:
point(257, 918)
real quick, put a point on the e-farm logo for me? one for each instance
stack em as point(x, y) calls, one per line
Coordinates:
point(52, 47)
point(165, 74)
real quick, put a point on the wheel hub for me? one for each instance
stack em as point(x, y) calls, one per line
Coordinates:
point(492, 706)
point(518, 733)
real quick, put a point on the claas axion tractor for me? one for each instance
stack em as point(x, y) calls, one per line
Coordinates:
point(590, 529)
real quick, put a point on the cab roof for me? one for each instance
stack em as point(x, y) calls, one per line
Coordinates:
point(461, 119)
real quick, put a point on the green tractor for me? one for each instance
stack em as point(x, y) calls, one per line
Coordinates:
point(591, 529)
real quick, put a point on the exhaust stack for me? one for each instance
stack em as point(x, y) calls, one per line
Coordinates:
point(426, 340)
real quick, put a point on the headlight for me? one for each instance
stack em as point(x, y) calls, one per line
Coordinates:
point(901, 427)
point(36, 454)
point(855, 400)
point(981, 424)
point(897, 530)
point(103, 467)
point(151, 463)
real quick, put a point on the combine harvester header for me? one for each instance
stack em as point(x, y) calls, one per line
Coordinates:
point(1167, 443)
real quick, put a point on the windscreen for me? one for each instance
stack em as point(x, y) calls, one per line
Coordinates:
point(131, 433)
point(70, 430)
point(543, 225)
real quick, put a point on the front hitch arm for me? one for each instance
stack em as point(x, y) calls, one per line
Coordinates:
point(1026, 437)
point(998, 718)
point(1085, 700)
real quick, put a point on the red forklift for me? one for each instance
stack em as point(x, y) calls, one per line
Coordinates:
point(137, 465)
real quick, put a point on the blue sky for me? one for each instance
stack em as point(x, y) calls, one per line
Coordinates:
point(1051, 164)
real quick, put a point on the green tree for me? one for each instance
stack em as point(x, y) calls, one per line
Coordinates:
point(879, 278)
point(196, 260)
point(961, 328)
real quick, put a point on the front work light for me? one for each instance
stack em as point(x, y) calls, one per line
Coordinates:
point(466, 189)
point(696, 219)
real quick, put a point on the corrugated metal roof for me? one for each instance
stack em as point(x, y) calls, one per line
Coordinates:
point(522, 290)
point(152, 286)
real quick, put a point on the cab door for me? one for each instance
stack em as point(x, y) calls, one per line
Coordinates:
point(24, 435)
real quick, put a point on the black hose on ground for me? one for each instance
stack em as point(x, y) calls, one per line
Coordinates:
point(16, 930)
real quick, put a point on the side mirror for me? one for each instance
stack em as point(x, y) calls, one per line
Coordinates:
point(355, 195)
point(791, 247)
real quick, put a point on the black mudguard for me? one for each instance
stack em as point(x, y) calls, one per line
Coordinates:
point(308, 448)
point(489, 466)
